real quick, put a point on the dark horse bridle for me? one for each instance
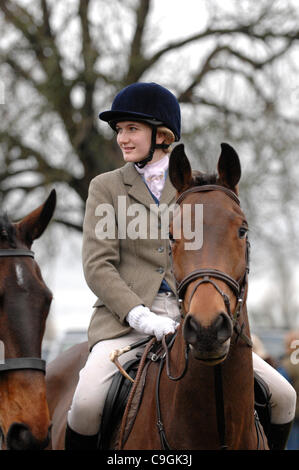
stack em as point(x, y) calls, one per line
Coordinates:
point(205, 275)
point(19, 363)
point(239, 289)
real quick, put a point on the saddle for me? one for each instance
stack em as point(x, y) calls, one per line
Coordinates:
point(120, 389)
point(262, 404)
point(118, 395)
point(116, 401)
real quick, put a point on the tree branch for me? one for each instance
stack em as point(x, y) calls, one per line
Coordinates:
point(49, 173)
point(186, 96)
point(222, 108)
point(54, 89)
point(46, 19)
point(68, 224)
point(89, 53)
point(20, 18)
point(136, 59)
point(214, 32)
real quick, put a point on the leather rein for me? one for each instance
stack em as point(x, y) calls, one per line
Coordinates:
point(19, 363)
point(239, 290)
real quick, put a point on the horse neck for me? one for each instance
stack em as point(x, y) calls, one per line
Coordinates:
point(192, 398)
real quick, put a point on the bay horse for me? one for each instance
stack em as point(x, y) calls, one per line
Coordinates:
point(202, 396)
point(205, 395)
point(24, 305)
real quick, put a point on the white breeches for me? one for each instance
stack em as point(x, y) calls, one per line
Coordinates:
point(95, 378)
point(283, 395)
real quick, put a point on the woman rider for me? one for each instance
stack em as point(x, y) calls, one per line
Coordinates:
point(130, 271)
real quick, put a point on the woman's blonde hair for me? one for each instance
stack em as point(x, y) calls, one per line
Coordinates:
point(169, 137)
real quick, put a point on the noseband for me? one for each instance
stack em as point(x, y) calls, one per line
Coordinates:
point(19, 363)
point(205, 275)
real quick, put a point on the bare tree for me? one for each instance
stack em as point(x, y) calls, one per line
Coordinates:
point(63, 61)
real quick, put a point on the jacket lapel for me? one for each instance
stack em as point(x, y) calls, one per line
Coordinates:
point(137, 188)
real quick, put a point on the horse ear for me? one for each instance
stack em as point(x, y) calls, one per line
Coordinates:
point(180, 172)
point(229, 168)
point(33, 225)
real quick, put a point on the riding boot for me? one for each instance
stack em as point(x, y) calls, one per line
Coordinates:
point(76, 441)
point(278, 435)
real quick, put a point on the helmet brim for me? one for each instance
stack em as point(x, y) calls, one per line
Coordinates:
point(113, 116)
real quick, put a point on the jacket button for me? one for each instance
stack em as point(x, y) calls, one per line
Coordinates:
point(160, 249)
point(160, 270)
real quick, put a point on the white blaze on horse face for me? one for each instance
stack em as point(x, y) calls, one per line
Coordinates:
point(19, 275)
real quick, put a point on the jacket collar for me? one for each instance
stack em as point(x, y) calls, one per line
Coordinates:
point(137, 188)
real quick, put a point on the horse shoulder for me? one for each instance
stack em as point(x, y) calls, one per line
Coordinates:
point(62, 376)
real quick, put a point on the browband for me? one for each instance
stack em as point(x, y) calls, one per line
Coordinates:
point(209, 187)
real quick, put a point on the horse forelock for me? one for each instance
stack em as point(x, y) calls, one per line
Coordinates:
point(7, 230)
point(201, 179)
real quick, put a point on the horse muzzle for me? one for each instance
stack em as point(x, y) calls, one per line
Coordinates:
point(20, 437)
point(209, 344)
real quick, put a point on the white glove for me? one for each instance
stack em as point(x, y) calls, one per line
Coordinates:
point(143, 320)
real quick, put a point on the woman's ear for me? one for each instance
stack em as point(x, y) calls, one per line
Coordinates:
point(160, 138)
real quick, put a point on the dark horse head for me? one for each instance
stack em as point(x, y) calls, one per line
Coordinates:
point(211, 274)
point(24, 305)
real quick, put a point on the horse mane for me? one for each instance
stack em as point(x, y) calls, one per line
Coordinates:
point(201, 179)
point(7, 230)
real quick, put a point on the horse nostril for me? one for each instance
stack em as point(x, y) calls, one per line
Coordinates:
point(19, 437)
point(224, 327)
point(190, 329)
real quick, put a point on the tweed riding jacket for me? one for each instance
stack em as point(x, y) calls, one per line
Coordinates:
point(123, 272)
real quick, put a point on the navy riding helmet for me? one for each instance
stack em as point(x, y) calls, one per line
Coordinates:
point(146, 102)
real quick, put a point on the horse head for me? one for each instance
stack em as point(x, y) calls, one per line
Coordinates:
point(24, 305)
point(211, 278)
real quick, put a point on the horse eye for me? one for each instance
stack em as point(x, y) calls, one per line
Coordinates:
point(243, 232)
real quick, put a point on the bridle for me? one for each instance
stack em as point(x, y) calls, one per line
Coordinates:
point(204, 275)
point(239, 289)
point(19, 363)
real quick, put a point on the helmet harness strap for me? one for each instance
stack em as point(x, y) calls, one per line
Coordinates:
point(153, 147)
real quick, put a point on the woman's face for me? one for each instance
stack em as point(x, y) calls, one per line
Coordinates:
point(134, 140)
